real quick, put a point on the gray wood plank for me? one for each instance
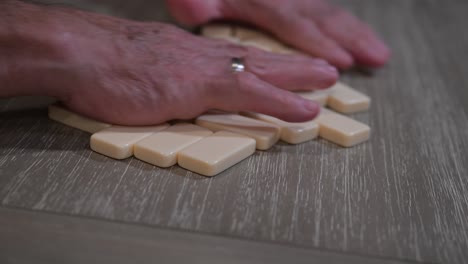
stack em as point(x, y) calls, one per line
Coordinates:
point(33, 237)
point(404, 194)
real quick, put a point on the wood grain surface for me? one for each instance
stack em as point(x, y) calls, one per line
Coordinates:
point(403, 194)
point(38, 237)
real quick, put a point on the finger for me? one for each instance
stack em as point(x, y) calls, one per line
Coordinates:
point(305, 35)
point(356, 37)
point(246, 92)
point(291, 72)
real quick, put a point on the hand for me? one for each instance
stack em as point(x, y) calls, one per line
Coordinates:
point(133, 73)
point(314, 26)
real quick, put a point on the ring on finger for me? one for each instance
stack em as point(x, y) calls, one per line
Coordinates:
point(237, 64)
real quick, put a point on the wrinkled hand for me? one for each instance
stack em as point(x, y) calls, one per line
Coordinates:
point(134, 73)
point(314, 26)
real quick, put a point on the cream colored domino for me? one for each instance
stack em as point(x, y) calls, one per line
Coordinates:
point(258, 45)
point(161, 149)
point(265, 134)
point(246, 37)
point(64, 116)
point(216, 153)
point(117, 141)
point(341, 129)
point(345, 99)
point(319, 96)
point(289, 51)
point(219, 31)
point(258, 39)
point(293, 133)
point(244, 34)
point(251, 37)
point(267, 44)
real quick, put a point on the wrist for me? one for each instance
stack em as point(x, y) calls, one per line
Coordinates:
point(31, 57)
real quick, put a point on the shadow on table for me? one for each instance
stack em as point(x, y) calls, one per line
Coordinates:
point(32, 129)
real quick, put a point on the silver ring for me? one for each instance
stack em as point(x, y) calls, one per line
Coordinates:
point(237, 65)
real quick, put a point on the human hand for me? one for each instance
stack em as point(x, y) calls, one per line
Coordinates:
point(315, 26)
point(134, 73)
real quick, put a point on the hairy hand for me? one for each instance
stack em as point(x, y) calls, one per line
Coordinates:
point(134, 73)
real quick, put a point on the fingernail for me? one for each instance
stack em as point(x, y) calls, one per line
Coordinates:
point(377, 50)
point(331, 69)
point(381, 47)
point(342, 59)
point(325, 65)
point(310, 106)
point(321, 62)
point(328, 77)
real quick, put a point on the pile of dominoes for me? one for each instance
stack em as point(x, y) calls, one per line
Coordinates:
point(215, 141)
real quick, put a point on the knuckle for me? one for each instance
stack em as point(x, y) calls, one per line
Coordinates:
point(331, 16)
point(253, 51)
point(244, 81)
point(237, 50)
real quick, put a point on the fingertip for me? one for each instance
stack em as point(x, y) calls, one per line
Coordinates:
point(335, 55)
point(380, 55)
point(312, 109)
point(307, 110)
point(342, 59)
point(330, 77)
point(374, 53)
point(326, 74)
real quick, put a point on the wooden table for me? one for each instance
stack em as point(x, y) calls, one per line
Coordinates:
point(401, 197)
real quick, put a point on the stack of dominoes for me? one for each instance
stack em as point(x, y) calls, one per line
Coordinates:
point(218, 140)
